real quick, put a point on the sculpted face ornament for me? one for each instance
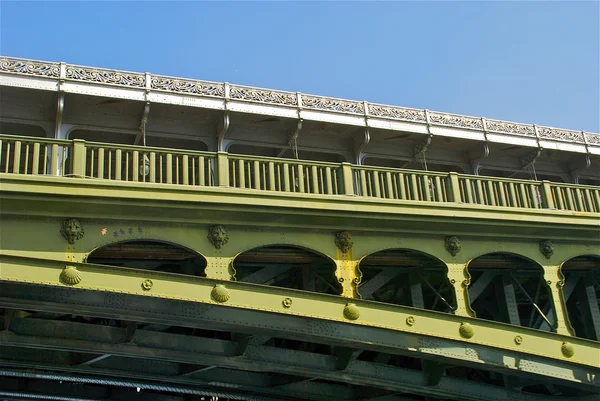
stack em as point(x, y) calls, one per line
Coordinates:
point(343, 240)
point(71, 230)
point(452, 245)
point(217, 236)
point(546, 248)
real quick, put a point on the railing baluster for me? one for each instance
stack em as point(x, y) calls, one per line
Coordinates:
point(588, 201)
point(118, 164)
point(578, 200)
point(328, 180)
point(201, 178)
point(54, 166)
point(169, 165)
point(241, 176)
point(315, 179)
point(17, 158)
point(437, 189)
point(301, 187)
point(414, 187)
point(491, 192)
point(271, 169)
point(426, 188)
point(569, 203)
point(401, 186)
point(135, 165)
point(468, 190)
point(286, 177)
point(533, 196)
point(35, 162)
point(100, 162)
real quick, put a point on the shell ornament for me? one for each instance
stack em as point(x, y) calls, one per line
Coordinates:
point(70, 275)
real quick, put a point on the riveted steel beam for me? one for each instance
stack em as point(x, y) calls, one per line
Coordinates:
point(152, 310)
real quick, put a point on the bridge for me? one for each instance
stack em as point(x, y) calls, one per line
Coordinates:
point(173, 239)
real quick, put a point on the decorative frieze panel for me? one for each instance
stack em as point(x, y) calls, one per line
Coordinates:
point(30, 67)
point(112, 77)
point(263, 95)
point(187, 86)
point(398, 113)
point(455, 121)
point(560, 134)
point(331, 104)
point(510, 128)
point(593, 139)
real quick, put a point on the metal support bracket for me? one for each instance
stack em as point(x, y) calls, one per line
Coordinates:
point(577, 172)
point(476, 163)
point(142, 129)
point(292, 143)
point(222, 128)
point(360, 147)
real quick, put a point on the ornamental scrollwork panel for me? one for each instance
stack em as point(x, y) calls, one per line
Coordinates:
point(112, 77)
point(593, 139)
point(188, 86)
point(455, 121)
point(398, 113)
point(510, 128)
point(30, 67)
point(560, 134)
point(330, 104)
point(263, 95)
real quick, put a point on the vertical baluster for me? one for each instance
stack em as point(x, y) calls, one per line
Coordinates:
point(522, 195)
point(401, 186)
point(414, 193)
point(46, 157)
point(17, 158)
point(54, 160)
point(578, 199)
point(328, 180)
point(118, 164)
point(558, 198)
point(271, 168)
point(491, 192)
point(468, 190)
point(135, 166)
point(1, 149)
point(152, 165)
point(241, 176)
point(426, 188)
point(35, 162)
point(389, 189)
point(100, 162)
point(569, 203)
point(533, 195)
point(375, 189)
point(512, 195)
point(315, 179)
point(286, 177)
point(437, 189)
point(169, 165)
point(301, 179)
point(596, 196)
point(501, 194)
point(64, 160)
point(363, 182)
point(110, 153)
point(127, 163)
point(479, 196)
point(256, 173)
point(201, 179)
point(589, 206)
point(26, 167)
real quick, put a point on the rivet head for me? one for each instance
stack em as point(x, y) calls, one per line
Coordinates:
point(452, 281)
point(518, 340)
point(466, 330)
point(351, 311)
point(287, 302)
point(220, 294)
point(410, 320)
point(340, 280)
point(147, 285)
point(567, 349)
point(70, 275)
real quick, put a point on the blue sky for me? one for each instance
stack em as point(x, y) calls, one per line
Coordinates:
point(534, 62)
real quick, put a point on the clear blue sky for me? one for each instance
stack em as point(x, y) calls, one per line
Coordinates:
point(535, 62)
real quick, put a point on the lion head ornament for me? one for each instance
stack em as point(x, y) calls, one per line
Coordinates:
point(71, 230)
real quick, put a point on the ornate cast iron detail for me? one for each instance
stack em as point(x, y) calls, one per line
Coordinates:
point(71, 230)
point(561, 134)
point(398, 113)
point(510, 128)
point(410, 321)
point(287, 303)
point(452, 245)
point(106, 76)
point(343, 240)
point(220, 294)
point(331, 104)
point(30, 67)
point(351, 311)
point(263, 95)
point(466, 330)
point(547, 248)
point(188, 86)
point(567, 349)
point(518, 340)
point(147, 285)
point(70, 275)
point(218, 236)
point(455, 121)
point(593, 138)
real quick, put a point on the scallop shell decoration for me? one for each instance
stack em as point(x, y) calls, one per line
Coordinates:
point(70, 275)
point(220, 294)
point(351, 311)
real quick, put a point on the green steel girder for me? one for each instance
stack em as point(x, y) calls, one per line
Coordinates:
point(308, 305)
point(265, 359)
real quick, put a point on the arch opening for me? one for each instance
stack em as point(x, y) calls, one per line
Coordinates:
point(407, 277)
point(150, 255)
point(581, 294)
point(287, 267)
point(511, 289)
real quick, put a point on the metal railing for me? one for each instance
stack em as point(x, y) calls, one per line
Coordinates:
point(78, 158)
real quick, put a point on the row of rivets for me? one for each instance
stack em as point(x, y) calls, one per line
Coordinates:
point(71, 276)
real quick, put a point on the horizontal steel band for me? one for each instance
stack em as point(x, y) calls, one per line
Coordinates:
point(331, 308)
point(189, 87)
